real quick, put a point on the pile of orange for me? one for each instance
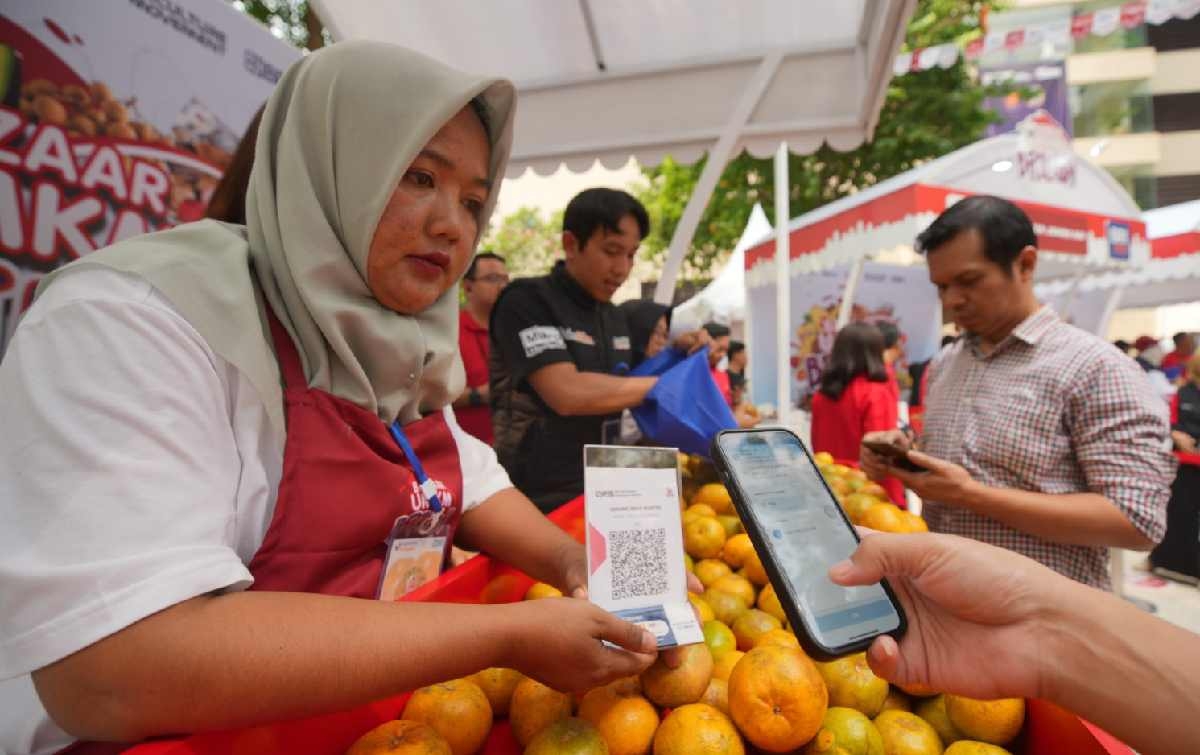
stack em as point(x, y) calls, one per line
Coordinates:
point(748, 688)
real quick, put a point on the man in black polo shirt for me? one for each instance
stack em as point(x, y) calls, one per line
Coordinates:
point(560, 350)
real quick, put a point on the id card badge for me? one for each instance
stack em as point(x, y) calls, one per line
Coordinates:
point(411, 562)
point(635, 540)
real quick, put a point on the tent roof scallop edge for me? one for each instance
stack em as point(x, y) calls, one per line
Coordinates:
point(649, 78)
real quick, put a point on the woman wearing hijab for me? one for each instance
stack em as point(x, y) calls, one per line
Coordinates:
point(210, 434)
point(649, 327)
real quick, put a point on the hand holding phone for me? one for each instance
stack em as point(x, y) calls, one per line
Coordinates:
point(895, 455)
point(799, 531)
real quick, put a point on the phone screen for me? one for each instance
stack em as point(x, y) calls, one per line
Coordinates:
point(799, 522)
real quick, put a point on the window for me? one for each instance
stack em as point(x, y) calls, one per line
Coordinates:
point(1112, 107)
point(1121, 39)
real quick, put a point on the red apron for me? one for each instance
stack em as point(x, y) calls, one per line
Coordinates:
point(346, 486)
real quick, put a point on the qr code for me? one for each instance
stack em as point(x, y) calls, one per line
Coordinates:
point(639, 562)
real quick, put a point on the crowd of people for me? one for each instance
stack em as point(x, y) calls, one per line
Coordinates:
point(217, 437)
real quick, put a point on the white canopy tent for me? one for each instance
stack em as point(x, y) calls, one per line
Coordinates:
point(724, 299)
point(649, 78)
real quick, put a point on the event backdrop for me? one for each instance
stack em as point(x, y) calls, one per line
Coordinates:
point(891, 293)
point(116, 118)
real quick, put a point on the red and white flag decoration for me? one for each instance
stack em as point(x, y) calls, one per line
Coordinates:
point(1100, 23)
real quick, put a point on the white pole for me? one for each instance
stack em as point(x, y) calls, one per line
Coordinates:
point(783, 288)
point(849, 292)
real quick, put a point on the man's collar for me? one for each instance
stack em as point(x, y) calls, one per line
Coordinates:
point(571, 286)
point(1035, 327)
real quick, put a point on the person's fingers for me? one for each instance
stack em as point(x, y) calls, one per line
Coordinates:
point(891, 556)
point(925, 460)
point(673, 657)
point(694, 584)
point(626, 635)
point(884, 658)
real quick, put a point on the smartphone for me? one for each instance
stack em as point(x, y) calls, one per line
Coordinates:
point(895, 454)
point(799, 531)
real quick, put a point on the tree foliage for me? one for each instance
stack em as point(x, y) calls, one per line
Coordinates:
point(290, 20)
point(528, 242)
point(925, 115)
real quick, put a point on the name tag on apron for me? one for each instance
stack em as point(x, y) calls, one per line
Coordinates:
point(411, 562)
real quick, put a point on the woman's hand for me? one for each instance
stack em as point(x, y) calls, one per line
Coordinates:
point(692, 341)
point(1183, 441)
point(558, 642)
point(979, 617)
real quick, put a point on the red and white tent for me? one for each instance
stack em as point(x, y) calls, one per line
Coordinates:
point(1171, 276)
point(1085, 220)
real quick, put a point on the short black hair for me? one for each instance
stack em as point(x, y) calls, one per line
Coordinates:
point(591, 209)
point(947, 340)
point(470, 274)
point(1180, 337)
point(716, 329)
point(890, 333)
point(1005, 228)
point(1122, 345)
point(735, 348)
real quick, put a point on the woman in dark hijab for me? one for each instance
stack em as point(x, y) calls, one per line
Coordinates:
point(649, 327)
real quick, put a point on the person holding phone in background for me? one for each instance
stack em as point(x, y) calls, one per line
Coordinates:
point(1039, 437)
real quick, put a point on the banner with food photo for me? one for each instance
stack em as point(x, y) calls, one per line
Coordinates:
point(117, 118)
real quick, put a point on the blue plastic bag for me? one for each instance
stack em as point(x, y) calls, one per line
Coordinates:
point(684, 409)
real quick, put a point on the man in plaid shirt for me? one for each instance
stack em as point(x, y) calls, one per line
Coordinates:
point(1039, 437)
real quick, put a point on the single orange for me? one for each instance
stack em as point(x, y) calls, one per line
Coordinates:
point(732, 525)
point(885, 517)
point(716, 496)
point(568, 736)
point(534, 707)
point(698, 730)
point(540, 590)
point(875, 490)
point(400, 738)
point(709, 570)
point(625, 719)
point(736, 549)
point(457, 710)
point(852, 684)
point(768, 600)
point(697, 510)
point(672, 687)
point(724, 667)
point(755, 571)
point(907, 734)
point(915, 523)
point(703, 609)
point(996, 722)
point(856, 506)
point(781, 637)
point(777, 698)
point(719, 638)
point(823, 458)
point(726, 607)
point(717, 695)
point(751, 626)
point(498, 684)
point(738, 585)
point(703, 537)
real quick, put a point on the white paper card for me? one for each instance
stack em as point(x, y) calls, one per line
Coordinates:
point(635, 540)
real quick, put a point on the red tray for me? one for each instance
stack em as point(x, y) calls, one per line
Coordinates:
point(1049, 730)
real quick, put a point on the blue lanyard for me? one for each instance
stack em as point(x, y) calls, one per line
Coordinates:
point(428, 487)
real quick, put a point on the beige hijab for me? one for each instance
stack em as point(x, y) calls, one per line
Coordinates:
point(337, 135)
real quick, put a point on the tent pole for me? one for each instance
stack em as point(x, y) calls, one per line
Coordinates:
point(848, 294)
point(783, 288)
point(1110, 307)
point(718, 158)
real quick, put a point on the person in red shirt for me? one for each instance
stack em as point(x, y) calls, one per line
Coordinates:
point(892, 352)
point(485, 279)
point(1185, 346)
point(855, 398)
point(720, 335)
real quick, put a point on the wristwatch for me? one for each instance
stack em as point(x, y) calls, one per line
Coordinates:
point(474, 399)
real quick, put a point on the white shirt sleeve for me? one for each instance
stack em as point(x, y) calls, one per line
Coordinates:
point(482, 475)
point(118, 471)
